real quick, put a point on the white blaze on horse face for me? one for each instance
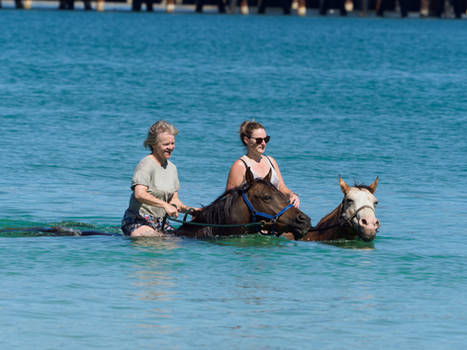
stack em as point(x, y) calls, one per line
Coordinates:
point(362, 203)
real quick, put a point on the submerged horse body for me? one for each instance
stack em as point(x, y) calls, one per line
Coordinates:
point(353, 218)
point(255, 201)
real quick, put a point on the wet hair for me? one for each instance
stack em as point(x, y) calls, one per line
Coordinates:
point(155, 130)
point(247, 127)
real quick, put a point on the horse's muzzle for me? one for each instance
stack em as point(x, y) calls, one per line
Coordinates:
point(303, 223)
point(368, 227)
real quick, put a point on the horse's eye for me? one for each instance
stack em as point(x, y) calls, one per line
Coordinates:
point(267, 198)
point(349, 201)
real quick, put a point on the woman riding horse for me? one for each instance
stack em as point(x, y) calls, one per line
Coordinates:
point(155, 185)
point(254, 138)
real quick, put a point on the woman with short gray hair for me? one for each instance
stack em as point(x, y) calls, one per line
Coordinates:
point(155, 186)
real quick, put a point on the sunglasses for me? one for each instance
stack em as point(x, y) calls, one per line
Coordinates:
point(259, 140)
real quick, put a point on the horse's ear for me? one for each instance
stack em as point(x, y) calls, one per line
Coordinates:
point(249, 176)
point(372, 187)
point(268, 176)
point(344, 187)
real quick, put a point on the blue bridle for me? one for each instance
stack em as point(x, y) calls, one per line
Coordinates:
point(255, 213)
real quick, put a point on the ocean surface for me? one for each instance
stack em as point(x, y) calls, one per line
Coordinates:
point(360, 97)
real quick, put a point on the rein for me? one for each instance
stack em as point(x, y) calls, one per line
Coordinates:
point(253, 212)
point(259, 224)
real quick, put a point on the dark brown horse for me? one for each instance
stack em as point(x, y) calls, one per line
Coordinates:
point(353, 218)
point(257, 200)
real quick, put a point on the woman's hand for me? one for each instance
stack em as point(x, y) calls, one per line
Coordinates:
point(171, 210)
point(193, 211)
point(293, 198)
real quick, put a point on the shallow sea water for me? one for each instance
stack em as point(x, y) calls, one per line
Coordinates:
point(351, 96)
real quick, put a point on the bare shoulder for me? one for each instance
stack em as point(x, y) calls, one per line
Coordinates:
point(239, 165)
point(271, 158)
point(236, 174)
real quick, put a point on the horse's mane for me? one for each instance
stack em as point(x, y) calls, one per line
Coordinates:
point(332, 215)
point(361, 186)
point(221, 207)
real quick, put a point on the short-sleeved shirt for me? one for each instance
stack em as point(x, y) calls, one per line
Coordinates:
point(161, 181)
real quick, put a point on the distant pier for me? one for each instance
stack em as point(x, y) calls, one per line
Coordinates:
point(363, 8)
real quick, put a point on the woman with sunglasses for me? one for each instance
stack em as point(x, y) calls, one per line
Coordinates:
point(253, 136)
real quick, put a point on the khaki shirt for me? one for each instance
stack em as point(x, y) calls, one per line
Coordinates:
point(161, 182)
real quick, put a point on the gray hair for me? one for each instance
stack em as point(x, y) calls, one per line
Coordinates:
point(156, 129)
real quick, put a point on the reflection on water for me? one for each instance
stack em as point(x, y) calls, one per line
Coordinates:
point(154, 244)
point(261, 241)
point(229, 281)
point(154, 275)
point(155, 282)
point(253, 241)
point(356, 244)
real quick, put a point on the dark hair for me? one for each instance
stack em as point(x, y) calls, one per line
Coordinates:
point(247, 127)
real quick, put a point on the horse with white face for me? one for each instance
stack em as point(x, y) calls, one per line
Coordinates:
point(354, 217)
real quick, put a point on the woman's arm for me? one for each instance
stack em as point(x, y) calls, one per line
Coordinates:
point(143, 196)
point(293, 197)
point(236, 175)
point(180, 206)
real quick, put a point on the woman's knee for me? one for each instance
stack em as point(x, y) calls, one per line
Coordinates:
point(146, 231)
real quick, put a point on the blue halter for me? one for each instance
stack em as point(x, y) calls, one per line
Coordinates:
point(255, 213)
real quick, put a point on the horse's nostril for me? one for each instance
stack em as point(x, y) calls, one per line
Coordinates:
point(377, 223)
point(301, 218)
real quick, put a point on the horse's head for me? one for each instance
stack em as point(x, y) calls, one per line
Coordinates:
point(358, 208)
point(265, 198)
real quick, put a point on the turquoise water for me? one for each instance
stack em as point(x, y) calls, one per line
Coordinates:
point(350, 96)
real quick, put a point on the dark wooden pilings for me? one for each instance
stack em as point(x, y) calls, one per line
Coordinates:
point(62, 4)
point(425, 8)
point(286, 6)
point(221, 5)
point(136, 5)
point(437, 7)
point(327, 4)
point(70, 5)
point(403, 5)
point(19, 4)
point(432, 8)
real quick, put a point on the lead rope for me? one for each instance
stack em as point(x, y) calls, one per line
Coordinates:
point(190, 211)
